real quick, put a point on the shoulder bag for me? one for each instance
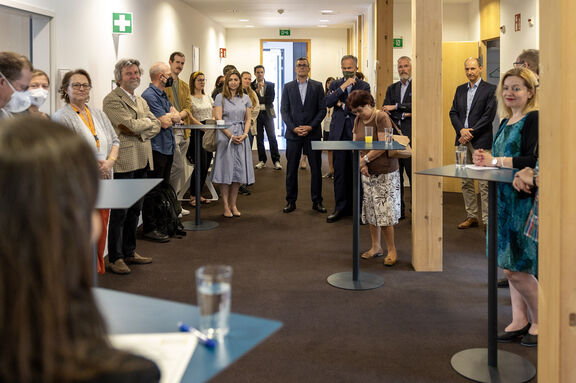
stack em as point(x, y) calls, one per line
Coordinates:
point(402, 140)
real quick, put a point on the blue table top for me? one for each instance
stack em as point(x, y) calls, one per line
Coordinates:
point(505, 175)
point(355, 145)
point(129, 313)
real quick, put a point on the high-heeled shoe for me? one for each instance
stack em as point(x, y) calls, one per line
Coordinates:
point(369, 255)
point(390, 259)
point(509, 336)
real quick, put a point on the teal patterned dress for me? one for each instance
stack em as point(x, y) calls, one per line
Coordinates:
point(516, 252)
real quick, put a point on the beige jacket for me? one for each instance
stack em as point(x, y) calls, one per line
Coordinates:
point(135, 125)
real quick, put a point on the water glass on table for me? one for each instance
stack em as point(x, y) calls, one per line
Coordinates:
point(388, 136)
point(368, 134)
point(213, 286)
point(461, 151)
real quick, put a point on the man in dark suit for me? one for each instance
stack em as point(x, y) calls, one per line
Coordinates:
point(341, 130)
point(472, 113)
point(398, 103)
point(303, 109)
point(265, 122)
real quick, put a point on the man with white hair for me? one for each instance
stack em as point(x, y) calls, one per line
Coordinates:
point(163, 144)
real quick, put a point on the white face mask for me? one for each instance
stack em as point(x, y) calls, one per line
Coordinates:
point(38, 96)
point(19, 101)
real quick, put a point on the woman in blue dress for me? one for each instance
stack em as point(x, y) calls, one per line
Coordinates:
point(515, 146)
point(233, 161)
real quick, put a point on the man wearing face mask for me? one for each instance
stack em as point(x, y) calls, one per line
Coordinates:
point(15, 74)
point(162, 145)
point(341, 130)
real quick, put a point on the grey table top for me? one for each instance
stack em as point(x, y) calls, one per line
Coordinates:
point(121, 194)
point(504, 175)
point(355, 145)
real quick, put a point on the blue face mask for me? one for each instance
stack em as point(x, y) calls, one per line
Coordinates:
point(19, 101)
point(169, 82)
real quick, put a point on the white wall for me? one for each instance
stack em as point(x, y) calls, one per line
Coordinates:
point(512, 43)
point(327, 47)
point(82, 35)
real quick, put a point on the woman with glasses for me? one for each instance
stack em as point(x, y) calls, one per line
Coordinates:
point(92, 124)
point(515, 146)
point(201, 109)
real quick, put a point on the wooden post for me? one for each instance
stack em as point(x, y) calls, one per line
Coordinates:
point(427, 134)
point(556, 247)
point(384, 50)
point(360, 44)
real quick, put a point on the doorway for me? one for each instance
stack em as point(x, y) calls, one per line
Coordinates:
point(278, 58)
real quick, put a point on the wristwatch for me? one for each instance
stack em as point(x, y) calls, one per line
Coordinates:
point(366, 159)
point(495, 161)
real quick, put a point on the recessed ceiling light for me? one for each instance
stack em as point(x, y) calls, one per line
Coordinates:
point(249, 26)
point(324, 21)
point(326, 11)
point(322, 26)
point(243, 20)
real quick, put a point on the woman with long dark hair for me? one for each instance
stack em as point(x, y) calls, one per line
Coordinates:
point(50, 327)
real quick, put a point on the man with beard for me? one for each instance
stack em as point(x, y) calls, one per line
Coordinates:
point(135, 125)
point(398, 104)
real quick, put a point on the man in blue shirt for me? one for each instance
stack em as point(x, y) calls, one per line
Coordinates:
point(162, 145)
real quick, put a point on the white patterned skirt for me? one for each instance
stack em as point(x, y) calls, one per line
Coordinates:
point(381, 201)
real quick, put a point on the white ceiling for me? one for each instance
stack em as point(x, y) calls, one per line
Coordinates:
point(296, 13)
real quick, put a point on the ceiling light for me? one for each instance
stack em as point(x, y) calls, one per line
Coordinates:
point(243, 20)
point(327, 12)
point(324, 21)
point(249, 26)
point(322, 26)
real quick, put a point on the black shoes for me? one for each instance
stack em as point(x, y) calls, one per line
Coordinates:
point(509, 336)
point(290, 207)
point(503, 283)
point(156, 236)
point(529, 340)
point(336, 216)
point(244, 190)
point(318, 207)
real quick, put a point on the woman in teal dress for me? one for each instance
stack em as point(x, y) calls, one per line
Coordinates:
point(515, 146)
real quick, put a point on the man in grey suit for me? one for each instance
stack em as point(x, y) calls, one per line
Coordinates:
point(472, 113)
point(303, 109)
point(135, 125)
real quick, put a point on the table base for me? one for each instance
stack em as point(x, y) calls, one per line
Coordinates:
point(473, 364)
point(366, 281)
point(204, 225)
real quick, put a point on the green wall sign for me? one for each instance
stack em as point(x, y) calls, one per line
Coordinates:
point(122, 23)
point(398, 42)
point(284, 32)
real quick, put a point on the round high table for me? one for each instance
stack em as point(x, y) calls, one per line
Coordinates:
point(198, 224)
point(488, 365)
point(355, 280)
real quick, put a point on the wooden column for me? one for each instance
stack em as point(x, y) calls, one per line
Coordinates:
point(557, 246)
point(359, 43)
point(427, 134)
point(384, 50)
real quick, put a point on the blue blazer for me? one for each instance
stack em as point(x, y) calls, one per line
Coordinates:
point(482, 113)
point(311, 113)
point(393, 94)
point(341, 113)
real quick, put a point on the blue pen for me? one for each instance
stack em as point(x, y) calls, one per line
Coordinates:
point(201, 337)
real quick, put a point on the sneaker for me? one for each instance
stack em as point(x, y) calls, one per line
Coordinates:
point(277, 165)
point(137, 259)
point(185, 212)
point(119, 267)
point(260, 165)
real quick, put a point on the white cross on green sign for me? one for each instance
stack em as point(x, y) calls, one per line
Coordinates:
point(122, 23)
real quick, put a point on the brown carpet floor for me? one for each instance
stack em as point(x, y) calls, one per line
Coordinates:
point(403, 332)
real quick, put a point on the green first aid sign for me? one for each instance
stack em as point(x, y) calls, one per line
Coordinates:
point(122, 23)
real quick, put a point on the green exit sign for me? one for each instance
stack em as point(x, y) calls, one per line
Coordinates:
point(122, 23)
point(284, 32)
point(398, 42)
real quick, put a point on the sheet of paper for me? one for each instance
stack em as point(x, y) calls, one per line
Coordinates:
point(170, 351)
point(474, 167)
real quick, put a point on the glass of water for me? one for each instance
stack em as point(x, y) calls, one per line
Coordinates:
point(388, 133)
point(214, 294)
point(461, 151)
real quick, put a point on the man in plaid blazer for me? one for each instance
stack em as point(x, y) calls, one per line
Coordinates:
point(135, 125)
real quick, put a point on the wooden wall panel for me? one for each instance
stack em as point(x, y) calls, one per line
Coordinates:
point(489, 19)
point(557, 247)
point(384, 50)
point(427, 134)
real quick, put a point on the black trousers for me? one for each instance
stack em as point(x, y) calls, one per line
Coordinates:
point(205, 159)
point(265, 122)
point(162, 168)
point(404, 164)
point(294, 150)
point(124, 223)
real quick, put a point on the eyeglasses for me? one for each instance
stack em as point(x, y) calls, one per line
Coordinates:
point(77, 85)
point(519, 64)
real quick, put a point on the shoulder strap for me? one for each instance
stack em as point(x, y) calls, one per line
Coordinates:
point(392, 122)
